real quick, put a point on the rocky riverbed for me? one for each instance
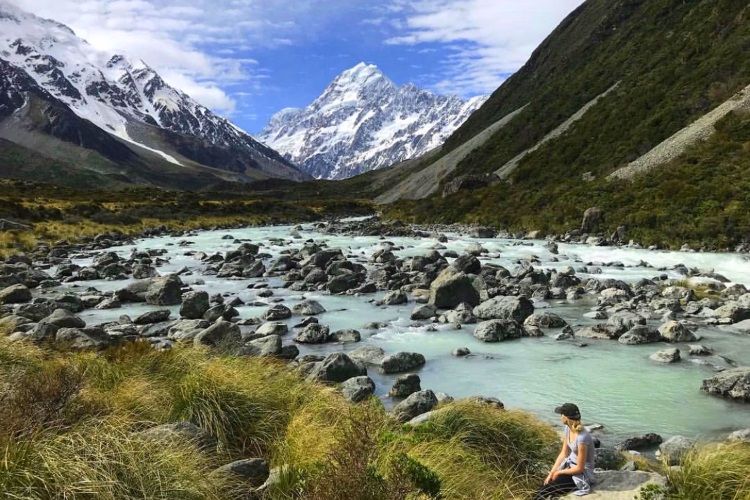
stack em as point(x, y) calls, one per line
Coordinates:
point(644, 341)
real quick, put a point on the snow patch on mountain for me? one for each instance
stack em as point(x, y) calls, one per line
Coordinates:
point(128, 99)
point(363, 121)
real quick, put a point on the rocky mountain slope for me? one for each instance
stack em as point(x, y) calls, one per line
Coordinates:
point(363, 121)
point(56, 88)
point(617, 85)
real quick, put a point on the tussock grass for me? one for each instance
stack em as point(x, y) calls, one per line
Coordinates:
point(73, 422)
point(716, 471)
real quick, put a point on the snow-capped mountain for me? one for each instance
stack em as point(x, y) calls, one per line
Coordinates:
point(126, 99)
point(363, 121)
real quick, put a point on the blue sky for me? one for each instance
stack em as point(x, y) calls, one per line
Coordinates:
point(247, 59)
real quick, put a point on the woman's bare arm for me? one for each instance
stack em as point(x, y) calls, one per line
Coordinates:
point(578, 468)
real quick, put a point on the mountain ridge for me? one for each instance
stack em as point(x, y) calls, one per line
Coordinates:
point(363, 121)
point(127, 100)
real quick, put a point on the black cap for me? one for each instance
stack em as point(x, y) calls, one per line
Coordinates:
point(569, 410)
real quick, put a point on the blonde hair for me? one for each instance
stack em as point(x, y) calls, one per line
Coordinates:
point(574, 425)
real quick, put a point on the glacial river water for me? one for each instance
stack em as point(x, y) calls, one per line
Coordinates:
point(615, 385)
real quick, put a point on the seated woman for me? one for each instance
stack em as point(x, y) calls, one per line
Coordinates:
point(574, 467)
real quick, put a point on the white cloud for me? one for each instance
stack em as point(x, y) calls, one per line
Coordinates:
point(199, 46)
point(486, 39)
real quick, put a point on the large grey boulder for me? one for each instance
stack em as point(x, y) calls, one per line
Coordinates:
point(674, 448)
point(164, 291)
point(15, 294)
point(185, 330)
point(405, 385)
point(623, 321)
point(83, 338)
point(515, 308)
point(451, 288)
point(336, 367)
point(308, 308)
point(640, 443)
point(592, 218)
point(277, 312)
point(272, 328)
point(402, 362)
point(221, 333)
point(269, 345)
point(622, 485)
point(314, 333)
point(671, 355)
point(416, 404)
point(346, 335)
point(254, 471)
point(11, 323)
point(64, 319)
point(674, 331)
point(395, 298)
point(545, 319)
point(423, 311)
point(733, 311)
point(151, 317)
point(368, 354)
point(357, 389)
point(194, 304)
point(742, 435)
point(733, 383)
point(42, 331)
point(496, 330)
point(640, 334)
point(181, 432)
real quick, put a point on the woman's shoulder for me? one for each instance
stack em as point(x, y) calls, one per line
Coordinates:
point(585, 436)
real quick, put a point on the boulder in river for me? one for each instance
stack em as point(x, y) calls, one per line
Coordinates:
point(314, 333)
point(395, 298)
point(733, 383)
point(424, 311)
point(451, 288)
point(640, 334)
point(194, 304)
point(405, 385)
point(164, 291)
point(640, 443)
point(308, 308)
point(368, 354)
point(277, 312)
point(401, 362)
point(272, 328)
point(336, 367)
point(505, 307)
point(674, 331)
point(671, 355)
point(496, 330)
point(151, 317)
point(545, 319)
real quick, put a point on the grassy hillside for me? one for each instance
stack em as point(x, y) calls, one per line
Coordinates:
point(675, 61)
point(701, 198)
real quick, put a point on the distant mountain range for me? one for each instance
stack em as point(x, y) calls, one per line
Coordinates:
point(112, 120)
point(363, 121)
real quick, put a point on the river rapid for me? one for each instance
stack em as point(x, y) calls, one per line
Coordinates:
point(615, 385)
